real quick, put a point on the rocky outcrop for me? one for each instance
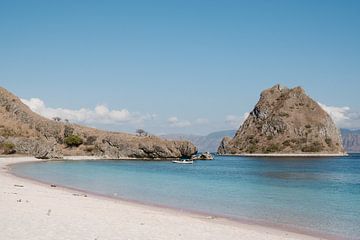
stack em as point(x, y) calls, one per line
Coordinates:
point(44, 149)
point(29, 133)
point(203, 156)
point(285, 121)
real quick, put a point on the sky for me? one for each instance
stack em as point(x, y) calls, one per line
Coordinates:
point(178, 66)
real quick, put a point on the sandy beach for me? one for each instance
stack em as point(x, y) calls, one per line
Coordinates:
point(32, 210)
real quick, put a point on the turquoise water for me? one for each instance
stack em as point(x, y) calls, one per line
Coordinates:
point(319, 195)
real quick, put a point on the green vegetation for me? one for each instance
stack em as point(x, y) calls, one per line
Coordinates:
point(8, 147)
point(252, 148)
point(272, 148)
point(314, 147)
point(73, 141)
point(269, 138)
point(141, 132)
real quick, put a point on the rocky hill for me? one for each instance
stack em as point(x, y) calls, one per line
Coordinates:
point(23, 131)
point(285, 121)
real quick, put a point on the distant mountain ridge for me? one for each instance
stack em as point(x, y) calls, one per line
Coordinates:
point(351, 140)
point(208, 143)
point(211, 142)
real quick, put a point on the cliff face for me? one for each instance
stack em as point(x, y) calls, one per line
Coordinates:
point(23, 131)
point(285, 121)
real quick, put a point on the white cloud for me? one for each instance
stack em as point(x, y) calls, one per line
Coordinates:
point(338, 114)
point(343, 116)
point(175, 122)
point(101, 114)
point(236, 121)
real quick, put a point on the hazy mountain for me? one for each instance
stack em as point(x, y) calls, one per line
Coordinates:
point(208, 143)
point(351, 140)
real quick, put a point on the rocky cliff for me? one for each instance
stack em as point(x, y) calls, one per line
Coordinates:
point(285, 121)
point(23, 131)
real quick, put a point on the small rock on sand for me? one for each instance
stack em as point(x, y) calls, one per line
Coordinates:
point(79, 195)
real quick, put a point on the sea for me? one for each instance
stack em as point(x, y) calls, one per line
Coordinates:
point(320, 196)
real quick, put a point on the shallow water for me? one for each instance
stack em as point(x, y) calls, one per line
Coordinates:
point(311, 194)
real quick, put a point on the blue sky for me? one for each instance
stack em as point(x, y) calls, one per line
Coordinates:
point(178, 66)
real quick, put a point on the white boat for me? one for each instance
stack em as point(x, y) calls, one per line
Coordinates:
point(183, 161)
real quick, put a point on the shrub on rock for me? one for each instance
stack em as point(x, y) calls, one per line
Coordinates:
point(73, 141)
point(8, 147)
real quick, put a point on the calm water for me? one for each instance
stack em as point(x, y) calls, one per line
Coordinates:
point(319, 194)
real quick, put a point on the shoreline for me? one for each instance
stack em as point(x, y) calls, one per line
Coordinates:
point(254, 229)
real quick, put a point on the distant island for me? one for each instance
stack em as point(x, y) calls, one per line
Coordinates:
point(25, 132)
point(285, 121)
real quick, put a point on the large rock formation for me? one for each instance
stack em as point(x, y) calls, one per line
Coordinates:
point(285, 121)
point(23, 131)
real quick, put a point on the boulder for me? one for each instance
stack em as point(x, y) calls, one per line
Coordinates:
point(203, 156)
point(38, 148)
